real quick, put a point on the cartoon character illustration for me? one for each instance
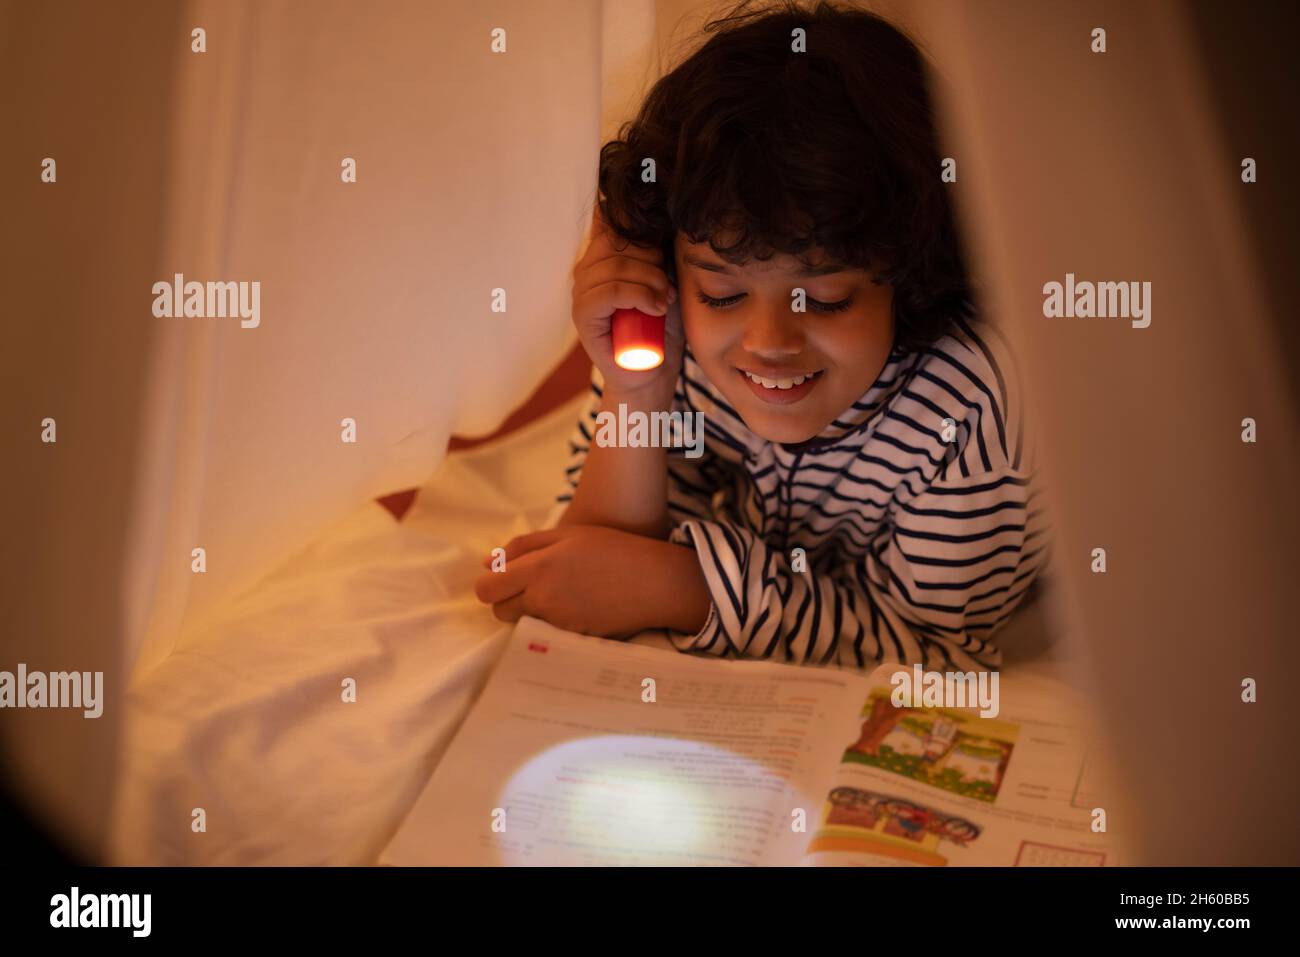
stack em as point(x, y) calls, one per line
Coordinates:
point(944, 748)
point(869, 822)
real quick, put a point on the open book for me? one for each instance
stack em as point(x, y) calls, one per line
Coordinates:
point(583, 751)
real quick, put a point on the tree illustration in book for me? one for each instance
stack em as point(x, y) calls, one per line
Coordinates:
point(945, 748)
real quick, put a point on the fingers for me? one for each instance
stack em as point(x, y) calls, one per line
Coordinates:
point(510, 610)
point(622, 269)
point(506, 590)
point(597, 306)
point(621, 283)
point(511, 580)
point(602, 279)
point(498, 586)
point(520, 567)
point(521, 545)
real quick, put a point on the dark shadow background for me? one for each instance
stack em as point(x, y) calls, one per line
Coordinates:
point(110, 140)
point(1250, 55)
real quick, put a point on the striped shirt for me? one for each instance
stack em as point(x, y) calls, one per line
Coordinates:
point(914, 549)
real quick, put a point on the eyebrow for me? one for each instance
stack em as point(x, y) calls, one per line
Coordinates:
point(826, 270)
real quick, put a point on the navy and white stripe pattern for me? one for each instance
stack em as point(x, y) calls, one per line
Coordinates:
point(916, 550)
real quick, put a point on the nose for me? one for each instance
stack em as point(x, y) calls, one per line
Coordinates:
point(773, 333)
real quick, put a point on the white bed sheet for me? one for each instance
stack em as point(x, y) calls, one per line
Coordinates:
point(245, 719)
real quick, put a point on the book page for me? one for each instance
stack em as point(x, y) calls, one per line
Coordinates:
point(937, 786)
point(583, 751)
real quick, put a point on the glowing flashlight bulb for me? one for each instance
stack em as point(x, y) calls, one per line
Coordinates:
point(638, 339)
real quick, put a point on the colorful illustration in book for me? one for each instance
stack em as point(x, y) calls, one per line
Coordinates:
point(869, 822)
point(943, 747)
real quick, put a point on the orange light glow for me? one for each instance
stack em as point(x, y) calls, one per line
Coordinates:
point(638, 339)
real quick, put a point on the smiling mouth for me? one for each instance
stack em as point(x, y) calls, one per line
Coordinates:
point(782, 390)
point(783, 383)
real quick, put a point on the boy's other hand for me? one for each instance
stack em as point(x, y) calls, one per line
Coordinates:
point(613, 275)
point(598, 581)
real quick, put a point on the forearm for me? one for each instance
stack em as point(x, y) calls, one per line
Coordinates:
point(671, 591)
point(624, 487)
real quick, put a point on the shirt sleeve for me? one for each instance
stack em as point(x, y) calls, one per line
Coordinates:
point(938, 580)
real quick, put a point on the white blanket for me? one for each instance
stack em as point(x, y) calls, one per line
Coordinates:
point(245, 721)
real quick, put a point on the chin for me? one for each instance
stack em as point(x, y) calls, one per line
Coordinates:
point(786, 430)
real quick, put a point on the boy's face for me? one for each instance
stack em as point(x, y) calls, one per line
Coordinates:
point(754, 329)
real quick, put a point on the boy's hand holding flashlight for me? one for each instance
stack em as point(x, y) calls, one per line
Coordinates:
point(612, 283)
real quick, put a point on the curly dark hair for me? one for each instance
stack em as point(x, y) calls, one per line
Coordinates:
point(786, 151)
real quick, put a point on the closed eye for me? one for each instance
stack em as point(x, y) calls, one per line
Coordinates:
point(814, 304)
point(720, 303)
point(830, 306)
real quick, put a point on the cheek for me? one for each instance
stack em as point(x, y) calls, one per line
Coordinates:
point(845, 343)
point(705, 330)
point(879, 310)
point(867, 331)
point(834, 343)
point(859, 351)
point(691, 324)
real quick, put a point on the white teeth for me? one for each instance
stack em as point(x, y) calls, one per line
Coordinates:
point(779, 383)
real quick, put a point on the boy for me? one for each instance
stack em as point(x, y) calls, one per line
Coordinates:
point(866, 490)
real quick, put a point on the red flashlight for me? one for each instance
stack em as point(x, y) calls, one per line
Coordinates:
point(638, 339)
